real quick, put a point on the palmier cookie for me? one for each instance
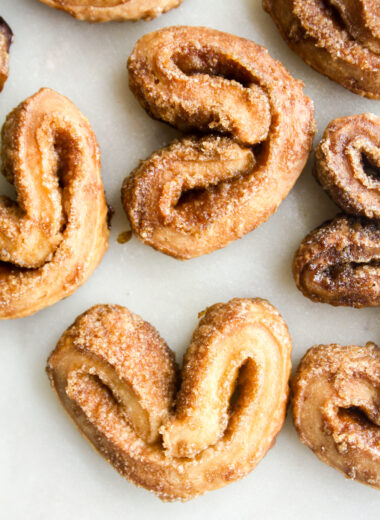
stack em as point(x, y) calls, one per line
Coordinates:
point(118, 381)
point(54, 236)
point(204, 191)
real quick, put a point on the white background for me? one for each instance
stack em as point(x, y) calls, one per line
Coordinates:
point(47, 470)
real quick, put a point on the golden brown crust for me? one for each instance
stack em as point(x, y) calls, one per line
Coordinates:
point(339, 38)
point(339, 263)
point(200, 193)
point(336, 408)
point(348, 164)
point(56, 233)
point(117, 379)
point(6, 38)
point(113, 10)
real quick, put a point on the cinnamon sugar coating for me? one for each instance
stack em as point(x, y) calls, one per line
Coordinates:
point(56, 233)
point(202, 192)
point(118, 380)
point(339, 263)
point(339, 38)
point(336, 408)
point(6, 37)
point(113, 10)
point(348, 164)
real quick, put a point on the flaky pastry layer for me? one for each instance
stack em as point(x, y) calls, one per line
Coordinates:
point(118, 381)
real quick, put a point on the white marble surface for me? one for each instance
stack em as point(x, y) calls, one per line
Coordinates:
point(47, 470)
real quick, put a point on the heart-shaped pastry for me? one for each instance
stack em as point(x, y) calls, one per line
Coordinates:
point(118, 381)
point(203, 191)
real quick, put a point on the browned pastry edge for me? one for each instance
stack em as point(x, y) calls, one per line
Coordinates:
point(202, 192)
point(338, 263)
point(113, 10)
point(336, 408)
point(314, 31)
point(117, 379)
point(347, 164)
point(6, 38)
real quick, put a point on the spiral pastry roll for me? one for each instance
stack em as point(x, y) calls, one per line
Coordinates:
point(339, 38)
point(56, 233)
point(113, 10)
point(348, 164)
point(6, 37)
point(339, 263)
point(118, 381)
point(336, 408)
point(204, 191)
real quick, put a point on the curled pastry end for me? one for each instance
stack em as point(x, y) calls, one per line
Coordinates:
point(113, 10)
point(338, 263)
point(55, 234)
point(339, 38)
point(118, 380)
point(6, 38)
point(200, 193)
point(336, 408)
point(348, 164)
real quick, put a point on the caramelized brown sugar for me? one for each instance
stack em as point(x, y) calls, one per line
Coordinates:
point(119, 382)
point(55, 234)
point(204, 191)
